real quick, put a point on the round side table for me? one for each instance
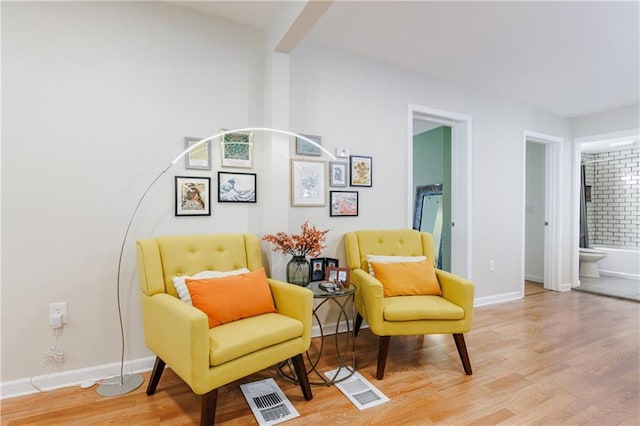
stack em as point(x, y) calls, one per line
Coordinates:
point(346, 364)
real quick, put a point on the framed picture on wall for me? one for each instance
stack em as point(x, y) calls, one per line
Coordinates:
point(193, 196)
point(236, 187)
point(308, 183)
point(236, 149)
point(337, 173)
point(199, 157)
point(343, 203)
point(360, 170)
point(304, 147)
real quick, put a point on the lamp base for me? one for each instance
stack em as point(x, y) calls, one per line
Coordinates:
point(127, 384)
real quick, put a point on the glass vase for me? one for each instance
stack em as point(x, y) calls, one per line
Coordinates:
point(298, 271)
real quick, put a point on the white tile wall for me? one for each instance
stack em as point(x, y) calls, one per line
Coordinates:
point(614, 212)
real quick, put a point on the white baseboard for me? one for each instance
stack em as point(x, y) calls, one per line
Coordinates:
point(499, 298)
point(534, 278)
point(566, 286)
point(63, 379)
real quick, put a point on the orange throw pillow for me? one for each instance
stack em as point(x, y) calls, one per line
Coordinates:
point(407, 278)
point(232, 298)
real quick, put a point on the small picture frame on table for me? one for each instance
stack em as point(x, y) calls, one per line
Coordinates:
point(338, 276)
point(193, 196)
point(317, 269)
point(236, 149)
point(360, 170)
point(199, 157)
point(236, 187)
point(304, 147)
point(343, 203)
point(330, 262)
point(337, 173)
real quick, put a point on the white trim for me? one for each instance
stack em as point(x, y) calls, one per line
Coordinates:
point(534, 278)
point(64, 379)
point(461, 214)
point(498, 298)
point(553, 206)
point(575, 195)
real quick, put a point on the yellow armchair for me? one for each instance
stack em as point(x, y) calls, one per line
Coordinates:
point(451, 313)
point(179, 333)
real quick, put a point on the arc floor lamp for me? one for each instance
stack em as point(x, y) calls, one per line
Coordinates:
point(130, 382)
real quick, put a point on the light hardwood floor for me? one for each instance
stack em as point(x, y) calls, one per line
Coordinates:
point(549, 359)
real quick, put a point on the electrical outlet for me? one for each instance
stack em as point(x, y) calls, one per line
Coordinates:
point(56, 309)
point(492, 265)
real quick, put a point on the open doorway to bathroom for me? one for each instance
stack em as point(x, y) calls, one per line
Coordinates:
point(608, 242)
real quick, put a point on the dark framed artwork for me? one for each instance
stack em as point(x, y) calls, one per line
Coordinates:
point(317, 269)
point(304, 147)
point(198, 158)
point(237, 187)
point(360, 170)
point(193, 196)
point(330, 262)
point(343, 203)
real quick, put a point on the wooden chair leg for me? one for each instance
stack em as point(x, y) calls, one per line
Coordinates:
point(208, 408)
point(357, 323)
point(156, 373)
point(303, 378)
point(462, 350)
point(383, 350)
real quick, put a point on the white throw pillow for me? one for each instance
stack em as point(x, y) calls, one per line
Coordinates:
point(392, 259)
point(181, 286)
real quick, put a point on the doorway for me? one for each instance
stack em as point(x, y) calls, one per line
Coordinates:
point(459, 214)
point(541, 218)
point(535, 218)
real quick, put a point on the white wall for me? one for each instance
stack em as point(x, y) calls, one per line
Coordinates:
point(362, 105)
point(616, 120)
point(97, 98)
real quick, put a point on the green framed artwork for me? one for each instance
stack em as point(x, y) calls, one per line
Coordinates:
point(236, 149)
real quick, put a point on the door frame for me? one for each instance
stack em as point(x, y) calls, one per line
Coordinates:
point(553, 193)
point(460, 180)
point(575, 198)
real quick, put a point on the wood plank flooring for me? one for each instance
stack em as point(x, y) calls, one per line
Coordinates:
point(550, 359)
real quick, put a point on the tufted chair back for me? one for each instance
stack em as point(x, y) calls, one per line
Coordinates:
point(163, 258)
point(391, 242)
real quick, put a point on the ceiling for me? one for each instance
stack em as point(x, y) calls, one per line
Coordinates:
point(570, 58)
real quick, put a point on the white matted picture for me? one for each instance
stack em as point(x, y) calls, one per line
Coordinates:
point(193, 196)
point(343, 203)
point(304, 147)
point(337, 173)
point(200, 156)
point(236, 149)
point(307, 183)
point(236, 187)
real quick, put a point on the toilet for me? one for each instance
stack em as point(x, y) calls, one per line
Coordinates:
point(589, 259)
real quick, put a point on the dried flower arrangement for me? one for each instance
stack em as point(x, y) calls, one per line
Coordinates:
point(307, 243)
